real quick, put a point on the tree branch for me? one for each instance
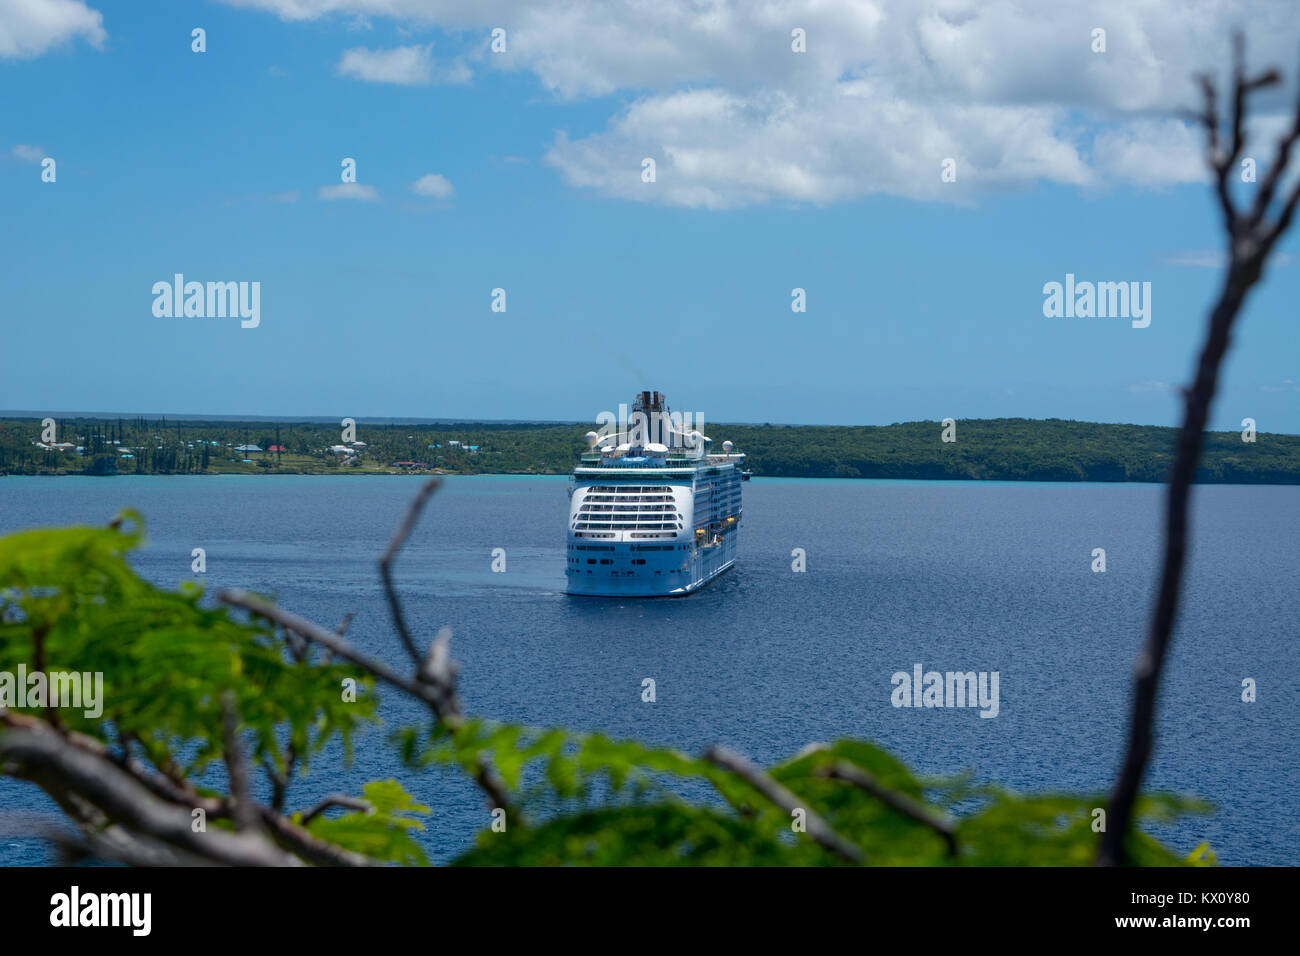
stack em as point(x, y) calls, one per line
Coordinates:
point(245, 816)
point(336, 800)
point(843, 770)
point(66, 771)
point(1251, 239)
point(386, 562)
point(820, 831)
point(435, 683)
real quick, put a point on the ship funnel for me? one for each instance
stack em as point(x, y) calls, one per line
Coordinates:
point(592, 438)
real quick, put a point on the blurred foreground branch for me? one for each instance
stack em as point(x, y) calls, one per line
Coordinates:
point(1252, 236)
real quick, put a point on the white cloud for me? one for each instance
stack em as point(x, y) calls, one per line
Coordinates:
point(1286, 385)
point(1150, 386)
point(718, 150)
point(886, 90)
point(29, 28)
point(403, 65)
point(28, 154)
point(1197, 259)
point(1217, 259)
point(1151, 153)
point(359, 191)
point(434, 185)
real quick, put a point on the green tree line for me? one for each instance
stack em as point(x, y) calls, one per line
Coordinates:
point(1003, 449)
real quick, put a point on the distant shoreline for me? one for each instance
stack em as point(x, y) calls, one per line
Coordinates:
point(418, 475)
point(1007, 449)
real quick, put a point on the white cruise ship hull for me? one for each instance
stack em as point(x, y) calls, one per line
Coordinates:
point(674, 573)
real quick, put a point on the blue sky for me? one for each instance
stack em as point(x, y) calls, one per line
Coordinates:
point(924, 300)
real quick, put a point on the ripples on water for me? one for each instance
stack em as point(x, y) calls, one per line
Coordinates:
point(951, 575)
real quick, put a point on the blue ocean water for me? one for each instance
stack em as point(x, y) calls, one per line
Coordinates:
point(951, 575)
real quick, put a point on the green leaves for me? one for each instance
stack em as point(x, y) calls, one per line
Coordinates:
point(657, 835)
point(70, 601)
point(1001, 828)
point(383, 832)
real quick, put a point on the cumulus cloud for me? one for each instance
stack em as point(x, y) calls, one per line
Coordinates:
point(359, 191)
point(719, 150)
point(403, 66)
point(29, 28)
point(1151, 153)
point(434, 185)
point(886, 90)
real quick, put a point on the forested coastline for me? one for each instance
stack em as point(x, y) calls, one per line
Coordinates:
point(1005, 449)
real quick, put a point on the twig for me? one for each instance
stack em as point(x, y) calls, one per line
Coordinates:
point(434, 684)
point(394, 547)
point(298, 841)
point(336, 800)
point(327, 639)
point(821, 831)
point(1251, 240)
point(843, 770)
point(245, 816)
point(341, 631)
point(64, 770)
point(159, 784)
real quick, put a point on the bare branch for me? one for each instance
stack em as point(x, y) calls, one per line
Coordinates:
point(328, 639)
point(1250, 242)
point(386, 562)
point(105, 838)
point(61, 769)
point(821, 831)
point(336, 800)
point(245, 816)
point(181, 793)
point(429, 687)
point(843, 770)
point(301, 843)
point(1238, 97)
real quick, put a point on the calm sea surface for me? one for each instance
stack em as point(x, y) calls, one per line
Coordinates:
point(950, 575)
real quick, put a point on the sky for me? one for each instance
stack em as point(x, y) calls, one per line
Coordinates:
point(522, 169)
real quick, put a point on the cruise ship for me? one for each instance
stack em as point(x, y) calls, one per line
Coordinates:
point(652, 511)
